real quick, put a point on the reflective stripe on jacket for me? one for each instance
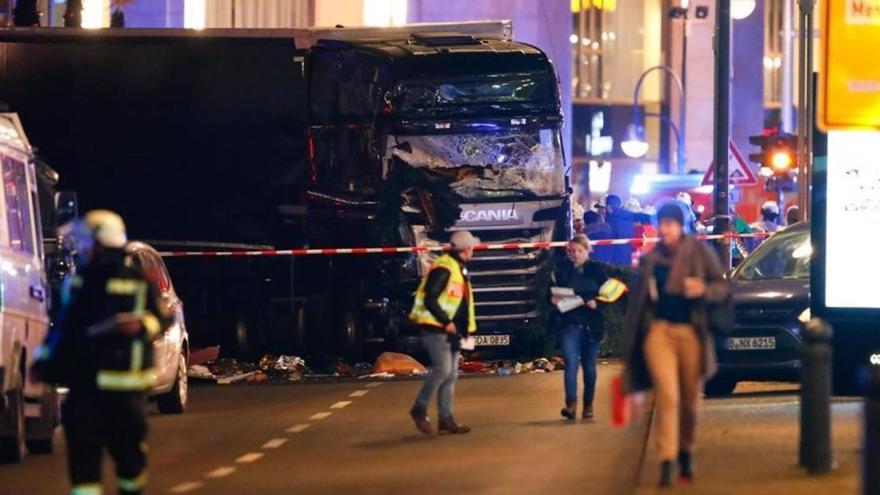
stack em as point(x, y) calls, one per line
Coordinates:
point(450, 298)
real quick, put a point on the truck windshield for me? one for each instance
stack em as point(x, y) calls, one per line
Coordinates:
point(785, 255)
point(483, 166)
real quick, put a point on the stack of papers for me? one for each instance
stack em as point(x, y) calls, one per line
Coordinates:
point(568, 300)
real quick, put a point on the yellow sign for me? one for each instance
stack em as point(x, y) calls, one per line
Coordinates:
point(849, 88)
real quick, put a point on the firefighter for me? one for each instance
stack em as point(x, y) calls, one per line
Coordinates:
point(444, 311)
point(100, 347)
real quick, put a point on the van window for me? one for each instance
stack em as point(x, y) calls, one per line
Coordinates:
point(18, 212)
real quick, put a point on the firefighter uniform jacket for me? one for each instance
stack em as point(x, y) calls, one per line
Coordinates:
point(109, 316)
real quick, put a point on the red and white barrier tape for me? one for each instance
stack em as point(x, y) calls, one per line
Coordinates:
point(422, 249)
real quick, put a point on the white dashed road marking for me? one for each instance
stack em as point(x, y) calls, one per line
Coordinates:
point(187, 487)
point(249, 458)
point(341, 404)
point(298, 428)
point(221, 472)
point(359, 393)
point(374, 384)
point(274, 443)
point(320, 415)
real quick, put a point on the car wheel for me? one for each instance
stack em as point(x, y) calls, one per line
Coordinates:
point(174, 402)
point(12, 440)
point(720, 387)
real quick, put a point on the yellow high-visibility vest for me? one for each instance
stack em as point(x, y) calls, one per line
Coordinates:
point(450, 298)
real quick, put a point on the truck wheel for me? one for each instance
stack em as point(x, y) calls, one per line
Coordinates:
point(12, 444)
point(42, 440)
point(350, 330)
point(720, 386)
point(175, 400)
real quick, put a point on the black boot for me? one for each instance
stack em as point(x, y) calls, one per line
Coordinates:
point(588, 411)
point(666, 474)
point(420, 417)
point(686, 467)
point(568, 412)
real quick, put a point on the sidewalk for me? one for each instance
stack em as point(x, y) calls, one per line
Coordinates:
point(748, 445)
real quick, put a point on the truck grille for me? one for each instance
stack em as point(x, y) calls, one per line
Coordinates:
point(504, 281)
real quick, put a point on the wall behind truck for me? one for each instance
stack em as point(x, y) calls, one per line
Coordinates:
point(187, 137)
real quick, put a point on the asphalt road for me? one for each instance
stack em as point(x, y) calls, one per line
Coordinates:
point(357, 438)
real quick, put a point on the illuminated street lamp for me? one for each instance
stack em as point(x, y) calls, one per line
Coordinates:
point(635, 145)
point(740, 9)
point(635, 136)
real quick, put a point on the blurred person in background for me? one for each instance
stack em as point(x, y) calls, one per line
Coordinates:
point(769, 222)
point(792, 215)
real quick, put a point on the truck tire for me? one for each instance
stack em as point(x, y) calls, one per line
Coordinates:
point(12, 439)
point(350, 330)
point(720, 386)
point(175, 400)
point(42, 442)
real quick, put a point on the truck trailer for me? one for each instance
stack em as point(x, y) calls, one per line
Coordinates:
point(338, 137)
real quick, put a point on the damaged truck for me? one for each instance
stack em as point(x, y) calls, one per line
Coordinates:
point(343, 137)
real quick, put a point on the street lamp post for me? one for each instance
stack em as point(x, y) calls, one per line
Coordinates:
point(636, 129)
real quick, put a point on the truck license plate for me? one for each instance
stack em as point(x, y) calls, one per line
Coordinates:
point(487, 340)
point(751, 343)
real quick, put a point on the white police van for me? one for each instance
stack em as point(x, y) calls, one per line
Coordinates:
point(28, 410)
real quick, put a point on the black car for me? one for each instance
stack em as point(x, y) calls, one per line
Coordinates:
point(771, 290)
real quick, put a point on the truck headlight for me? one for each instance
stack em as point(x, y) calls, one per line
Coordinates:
point(805, 316)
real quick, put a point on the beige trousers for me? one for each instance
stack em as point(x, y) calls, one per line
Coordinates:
point(674, 357)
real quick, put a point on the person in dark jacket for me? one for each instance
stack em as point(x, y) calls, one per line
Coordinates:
point(596, 229)
point(101, 348)
point(667, 341)
point(580, 330)
point(444, 310)
point(623, 225)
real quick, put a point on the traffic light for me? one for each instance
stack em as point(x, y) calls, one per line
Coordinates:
point(778, 155)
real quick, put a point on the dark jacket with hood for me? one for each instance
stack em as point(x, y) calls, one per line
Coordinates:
point(690, 259)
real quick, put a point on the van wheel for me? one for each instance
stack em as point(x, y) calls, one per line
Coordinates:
point(175, 400)
point(720, 387)
point(43, 442)
point(12, 443)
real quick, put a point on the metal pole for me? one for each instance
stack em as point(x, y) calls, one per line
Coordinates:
point(787, 67)
point(871, 450)
point(681, 154)
point(815, 432)
point(722, 126)
point(805, 104)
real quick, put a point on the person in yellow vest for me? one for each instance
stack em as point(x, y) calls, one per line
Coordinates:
point(444, 312)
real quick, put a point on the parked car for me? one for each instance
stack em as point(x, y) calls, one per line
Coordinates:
point(771, 291)
point(172, 348)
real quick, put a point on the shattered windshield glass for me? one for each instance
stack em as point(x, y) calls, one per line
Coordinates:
point(525, 163)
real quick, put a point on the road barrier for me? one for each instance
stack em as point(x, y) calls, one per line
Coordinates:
point(815, 432)
point(437, 248)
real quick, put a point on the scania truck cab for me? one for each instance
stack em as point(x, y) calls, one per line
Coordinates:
point(414, 134)
point(28, 410)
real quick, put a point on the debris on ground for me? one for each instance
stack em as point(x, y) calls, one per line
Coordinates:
point(344, 369)
point(398, 364)
point(272, 368)
point(200, 372)
point(201, 356)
